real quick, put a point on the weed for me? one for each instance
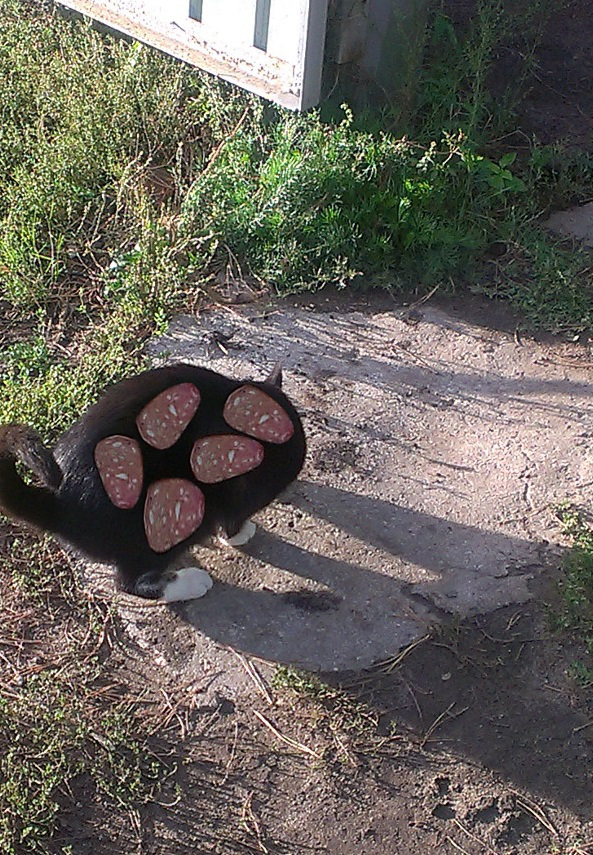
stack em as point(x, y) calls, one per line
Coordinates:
point(60, 732)
point(559, 176)
point(453, 92)
point(582, 675)
point(51, 735)
point(336, 710)
point(51, 393)
point(577, 583)
point(88, 121)
point(575, 614)
point(548, 282)
point(311, 204)
point(82, 116)
point(301, 682)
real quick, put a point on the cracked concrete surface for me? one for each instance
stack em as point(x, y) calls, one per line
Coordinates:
point(437, 453)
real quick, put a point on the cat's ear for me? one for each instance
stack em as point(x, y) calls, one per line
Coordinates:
point(275, 376)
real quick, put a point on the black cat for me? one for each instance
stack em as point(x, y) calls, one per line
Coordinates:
point(162, 461)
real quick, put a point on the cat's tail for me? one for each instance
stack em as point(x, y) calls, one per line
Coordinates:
point(35, 503)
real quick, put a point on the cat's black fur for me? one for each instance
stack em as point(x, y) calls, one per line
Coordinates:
point(69, 500)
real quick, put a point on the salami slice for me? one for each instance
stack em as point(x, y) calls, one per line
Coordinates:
point(216, 458)
point(252, 411)
point(163, 420)
point(119, 463)
point(173, 510)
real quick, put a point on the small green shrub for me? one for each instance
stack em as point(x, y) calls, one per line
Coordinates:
point(86, 118)
point(576, 585)
point(49, 737)
point(62, 738)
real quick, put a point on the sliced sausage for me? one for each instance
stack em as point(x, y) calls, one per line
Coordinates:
point(216, 458)
point(119, 463)
point(163, 420)
point(173, 510)
point(252, 411)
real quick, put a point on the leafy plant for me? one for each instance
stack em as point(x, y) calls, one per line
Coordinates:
point(576, 586)
point(87, 121)
point(574, 614)
point(60, 734)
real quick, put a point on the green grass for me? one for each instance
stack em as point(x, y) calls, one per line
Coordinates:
point(66, 737)
point(86, 120)
point(549, 282)
point(50, 390)
point(576, 592)
point(53, 735)
point(94, 258)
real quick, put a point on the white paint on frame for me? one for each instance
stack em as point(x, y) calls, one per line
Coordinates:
point(288, 71)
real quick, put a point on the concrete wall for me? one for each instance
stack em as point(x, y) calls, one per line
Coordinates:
point(373, 51)
point(372, 47)
point(224, 42)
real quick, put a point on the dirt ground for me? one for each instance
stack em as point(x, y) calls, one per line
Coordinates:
point(477, 741)
point(559, 104)
point(474, 742)
point(474, 739)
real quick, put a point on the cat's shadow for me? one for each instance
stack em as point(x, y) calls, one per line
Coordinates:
point(354, 613)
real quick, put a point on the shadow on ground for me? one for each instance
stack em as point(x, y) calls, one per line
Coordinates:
point(354, 614)
point(474, 689)
point(493, 691)
point(438, 450)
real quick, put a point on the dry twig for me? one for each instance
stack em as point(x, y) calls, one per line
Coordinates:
point(298, 746)
point(446, 714)
point(536, 811)
point(255, 676)
point(389, 665)
point(457, 846)
point(251, 823)
point(483, 844)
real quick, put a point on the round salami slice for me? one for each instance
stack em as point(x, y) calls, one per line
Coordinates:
point(119, 463)
point(252, 411)
point(173, 510)
point(216, 458)
point(163, 420)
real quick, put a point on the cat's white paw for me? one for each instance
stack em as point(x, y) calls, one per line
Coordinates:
point(242, 537)
point(189, 583)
